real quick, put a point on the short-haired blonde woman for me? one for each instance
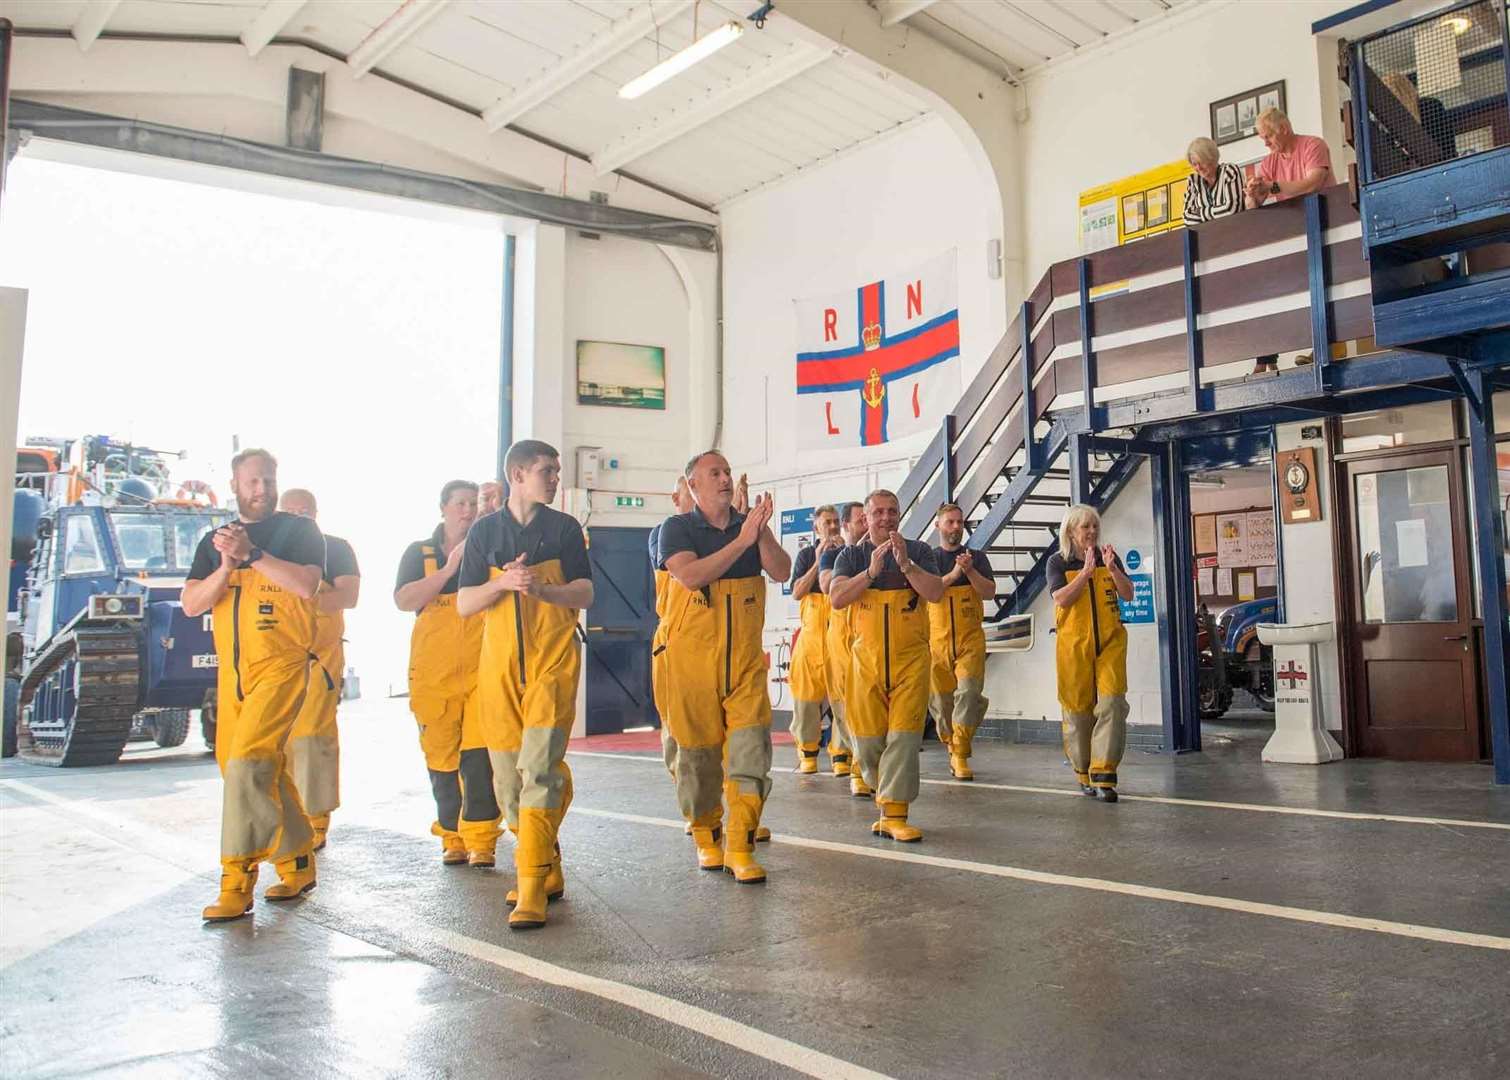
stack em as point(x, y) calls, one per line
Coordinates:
point(1086, 580)
point(1216, 189)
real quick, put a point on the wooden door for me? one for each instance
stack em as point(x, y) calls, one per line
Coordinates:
point(1411, 610)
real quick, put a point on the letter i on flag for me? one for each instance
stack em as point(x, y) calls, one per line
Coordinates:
point(880, 362)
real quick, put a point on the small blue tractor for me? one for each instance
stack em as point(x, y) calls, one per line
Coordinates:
point(107, 653)
point(1232, 658)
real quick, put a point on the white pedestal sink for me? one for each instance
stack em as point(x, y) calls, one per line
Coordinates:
point(1300, 734)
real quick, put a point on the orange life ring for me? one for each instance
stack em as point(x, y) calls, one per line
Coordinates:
point(189, 488)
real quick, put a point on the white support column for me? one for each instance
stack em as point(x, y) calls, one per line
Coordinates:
point(636, 144)
point(269, 23)
point(91, 21)
point(602, 47)
point(392, 32)
point(12, 338)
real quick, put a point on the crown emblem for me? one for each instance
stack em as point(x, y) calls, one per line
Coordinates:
point(871, 336)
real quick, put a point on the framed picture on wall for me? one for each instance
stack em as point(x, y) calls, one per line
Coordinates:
point(1132, 213)
point(621, 376)
point(1236, 117)
point(1158, 206)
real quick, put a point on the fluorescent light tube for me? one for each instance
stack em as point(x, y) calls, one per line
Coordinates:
point(677, 63)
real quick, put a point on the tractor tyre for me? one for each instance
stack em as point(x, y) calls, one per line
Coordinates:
point(207, 727)
point(170, 728)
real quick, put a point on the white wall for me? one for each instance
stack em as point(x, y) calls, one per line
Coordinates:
point(1309, 578)
point(1134, 104)
point(1024, 685)
point(888, 206)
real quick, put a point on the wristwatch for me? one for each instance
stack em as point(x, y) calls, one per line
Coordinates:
point(252, 556)
point(1274, 187)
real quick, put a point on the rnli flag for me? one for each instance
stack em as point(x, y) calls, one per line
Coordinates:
point(879, 362)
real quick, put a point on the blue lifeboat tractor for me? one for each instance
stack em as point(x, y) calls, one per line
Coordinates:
point(103, 546)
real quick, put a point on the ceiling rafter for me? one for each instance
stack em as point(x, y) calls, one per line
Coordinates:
point(620, 35)
point(269, 23)
point(895, 11)
point(644, 140)
point(410, 17)
point(91, 21)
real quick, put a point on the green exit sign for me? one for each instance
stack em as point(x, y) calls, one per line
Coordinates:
point(629, 500)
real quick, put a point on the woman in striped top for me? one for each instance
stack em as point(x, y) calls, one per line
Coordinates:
point(1216, 190)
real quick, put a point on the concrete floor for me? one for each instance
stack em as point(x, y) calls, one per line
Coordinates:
point(1032, 933)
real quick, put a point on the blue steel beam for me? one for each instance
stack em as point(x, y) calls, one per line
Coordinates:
point(1193, 349)
point(1021, 486)
point(1087, 355)
point(1489, 551)
point(1321, 330)
point(1174, 610)
point(1080, 468)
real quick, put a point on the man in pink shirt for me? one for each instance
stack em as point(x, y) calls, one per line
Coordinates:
point(1296, 164)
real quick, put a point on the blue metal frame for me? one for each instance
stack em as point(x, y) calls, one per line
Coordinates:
point(1025, 362)
point(1087, 354)
point(1174, 600)
point(1490, 529)
point(1193, 350)
point(950, 473)
point(1080, 468)
point(1321, 330)
point(506, 362)
point(1347, 15)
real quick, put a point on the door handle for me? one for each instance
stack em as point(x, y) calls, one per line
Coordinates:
point(1458, 637)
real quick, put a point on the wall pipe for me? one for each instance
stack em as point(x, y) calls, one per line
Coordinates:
point(7, 37)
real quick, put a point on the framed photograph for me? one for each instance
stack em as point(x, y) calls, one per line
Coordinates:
point(1158, 206)
point(1236, 117)
point(1224, 122)
point(1132, 213)
point(621, 376)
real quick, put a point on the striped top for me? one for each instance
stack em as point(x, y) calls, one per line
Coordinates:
point(1205, 202)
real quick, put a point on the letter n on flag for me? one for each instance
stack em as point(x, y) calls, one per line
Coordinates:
point(879, 362)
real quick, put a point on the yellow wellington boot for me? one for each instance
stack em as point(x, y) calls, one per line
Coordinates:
point(453, 850)
point(857, 785)
point(893, 823)
point(959, 754)
point(296, 877)
point(807, 759)
point(529, 905)
point(555, 882)
point(482, 860)
point(739, 840)
point(841, 764)
point(320, 823)
point(710, 848)
point(762, 835)
point(235, 899)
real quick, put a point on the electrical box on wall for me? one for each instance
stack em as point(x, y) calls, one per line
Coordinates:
point(589, 461)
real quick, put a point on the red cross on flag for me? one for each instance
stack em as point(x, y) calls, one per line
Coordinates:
point(880, 362)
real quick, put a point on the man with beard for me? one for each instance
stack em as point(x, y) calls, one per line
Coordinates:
point(720, 711)
point(840, 653)
point(314, 747)
point(258, 576)
point(888, 580)
point(526, 571)
point(444, 651)
point(957, 640)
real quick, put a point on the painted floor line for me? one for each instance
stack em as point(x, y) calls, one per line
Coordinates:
point(1146, 892)
point(697, 1020)
point(1167, 800)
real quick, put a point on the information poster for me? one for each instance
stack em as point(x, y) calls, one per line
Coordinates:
point(1268, 577)
point(1232, 542)
point(1261, 544)
point(1205, 581)
point(1224, 581)
point(1205, 534)
point(796, 534)
point(1245, 589)
point(1140, 608)
point(1098, 225)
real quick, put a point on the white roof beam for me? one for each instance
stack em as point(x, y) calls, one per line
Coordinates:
point(392, 32)
point(269, 23)
point(91, 21)
point(636, 144)
point(620, 35)
point(895, 11)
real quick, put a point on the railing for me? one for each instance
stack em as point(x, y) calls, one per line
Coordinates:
point(1163, 313)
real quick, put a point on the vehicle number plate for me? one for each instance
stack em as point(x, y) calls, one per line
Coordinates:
point(204, 660)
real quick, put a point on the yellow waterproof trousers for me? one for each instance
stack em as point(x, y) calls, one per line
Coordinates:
point(718, 709)
point(838, 655)
point(888, 690)
point(263, 635)
point(659, 676)
point(809, 674)
point(1091, 662)
point(314, 747)
point(527, 686)
point(957, 677)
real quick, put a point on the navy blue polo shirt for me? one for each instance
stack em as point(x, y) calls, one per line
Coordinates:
point(693, 532)
point(854, 561)
point(497, 540)
point(945, 559)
